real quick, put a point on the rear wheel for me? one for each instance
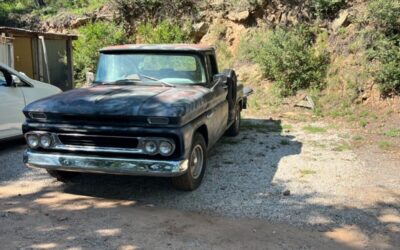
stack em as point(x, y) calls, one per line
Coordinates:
point(234, 129)
point(62, 176)
point(197, 166)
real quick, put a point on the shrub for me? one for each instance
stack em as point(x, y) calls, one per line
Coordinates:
point(8, 8)
point(92, 37)
point(387, 52)
point(386, 14)
point(327, 8)
point(164, 32)
point(288, 58)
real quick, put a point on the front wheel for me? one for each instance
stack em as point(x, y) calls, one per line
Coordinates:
point(197, 166)
point(234, 129)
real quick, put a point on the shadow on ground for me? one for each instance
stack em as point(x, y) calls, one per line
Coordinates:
point(239, 174)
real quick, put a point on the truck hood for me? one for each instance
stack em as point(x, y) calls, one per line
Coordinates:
point(124, 101)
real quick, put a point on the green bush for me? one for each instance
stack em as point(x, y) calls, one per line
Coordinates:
point(385, 44)
point(327, 8)
point(385, 13)
point(387, 52)
point(164, 32)
point(73, 6)
point(92, 37)
point(288, 58)
point(14, 7)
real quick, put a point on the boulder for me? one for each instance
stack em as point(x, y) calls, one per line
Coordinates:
point(342, 20)
point(199, 30)
point(76, 23)
point(239, 16)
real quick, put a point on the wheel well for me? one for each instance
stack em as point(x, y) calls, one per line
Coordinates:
point(204, 132)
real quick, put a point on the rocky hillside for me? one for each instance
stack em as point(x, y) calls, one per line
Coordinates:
point(342, 54)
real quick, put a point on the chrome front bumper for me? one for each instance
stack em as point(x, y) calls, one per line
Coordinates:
point(94, 164)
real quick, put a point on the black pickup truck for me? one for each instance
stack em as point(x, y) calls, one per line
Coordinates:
point(152, 110)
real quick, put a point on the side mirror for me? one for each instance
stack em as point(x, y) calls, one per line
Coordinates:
point(89, 78)
point(219, 79)
point(15, 81)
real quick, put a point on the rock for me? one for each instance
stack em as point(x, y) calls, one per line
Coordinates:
point(79, 22)
point(292, 18)
point(342, 20)
point(239, 16)
point(283, 20)
point(286, 192)
point(271, 18)
point(306, 102)
point(199, 30)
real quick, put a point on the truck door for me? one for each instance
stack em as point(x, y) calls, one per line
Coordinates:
point(218, 116)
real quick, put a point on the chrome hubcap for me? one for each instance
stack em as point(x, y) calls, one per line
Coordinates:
point(196, 161)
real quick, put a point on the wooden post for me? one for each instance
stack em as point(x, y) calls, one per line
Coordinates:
point(44, 50)
point(70, 65)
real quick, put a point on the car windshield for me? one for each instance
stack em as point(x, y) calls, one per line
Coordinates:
point(167, 69)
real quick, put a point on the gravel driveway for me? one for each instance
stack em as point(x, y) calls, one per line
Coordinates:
point(270, 171)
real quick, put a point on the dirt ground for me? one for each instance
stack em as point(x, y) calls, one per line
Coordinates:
point(44, 217)
point(279, 185)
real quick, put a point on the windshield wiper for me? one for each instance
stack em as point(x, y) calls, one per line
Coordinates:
point(121, 81)
point(158, 80)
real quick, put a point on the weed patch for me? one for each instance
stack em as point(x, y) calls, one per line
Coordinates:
point(314, 129)
point(392, 133)
point(384, 145)
point(357, 138)
point(341, 147)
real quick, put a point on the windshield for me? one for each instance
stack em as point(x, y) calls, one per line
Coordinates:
point(150, 68)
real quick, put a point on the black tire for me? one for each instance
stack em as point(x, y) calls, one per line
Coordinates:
point(234, 129)
point(191, 180)
point(62, 176)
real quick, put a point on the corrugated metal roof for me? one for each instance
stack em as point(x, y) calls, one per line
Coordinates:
point(160, 47)
point(18, 31)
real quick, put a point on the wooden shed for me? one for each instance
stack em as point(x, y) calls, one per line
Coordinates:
point(46, 57)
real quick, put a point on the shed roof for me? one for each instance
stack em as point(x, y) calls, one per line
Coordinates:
point(158, 47)
point(25, 32)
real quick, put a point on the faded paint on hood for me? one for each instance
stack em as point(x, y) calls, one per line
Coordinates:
point(122, 100)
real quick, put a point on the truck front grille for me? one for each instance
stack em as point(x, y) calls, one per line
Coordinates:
point(98, 141)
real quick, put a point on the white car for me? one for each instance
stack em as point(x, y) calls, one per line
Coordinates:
point(16, 91)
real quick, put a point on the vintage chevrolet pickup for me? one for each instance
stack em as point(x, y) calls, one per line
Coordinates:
point(152, 110)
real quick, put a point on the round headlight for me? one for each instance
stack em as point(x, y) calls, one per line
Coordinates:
point(45, 141)
point(32, 140)
point(165, 148)
point(150, 147)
